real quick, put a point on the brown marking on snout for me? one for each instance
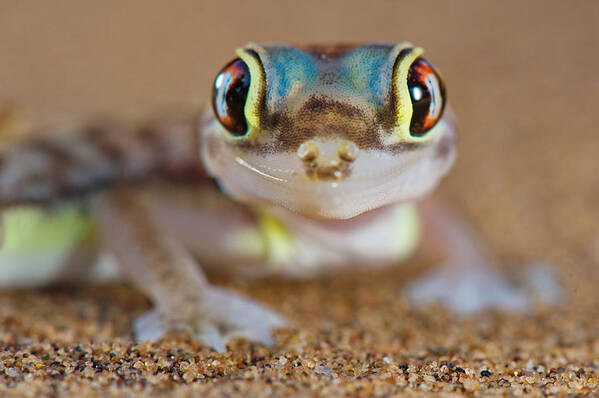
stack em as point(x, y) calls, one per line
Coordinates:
point(324, 117)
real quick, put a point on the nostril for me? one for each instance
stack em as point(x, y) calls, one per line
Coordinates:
point(347, 151)
point(308, 151)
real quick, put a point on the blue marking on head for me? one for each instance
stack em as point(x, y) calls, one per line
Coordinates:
point(361, 75)
point(288, 70)
point(368, 71)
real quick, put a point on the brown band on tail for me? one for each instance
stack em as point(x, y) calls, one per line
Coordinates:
point(45, 169)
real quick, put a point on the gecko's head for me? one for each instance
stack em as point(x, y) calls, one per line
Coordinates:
point(331, 131)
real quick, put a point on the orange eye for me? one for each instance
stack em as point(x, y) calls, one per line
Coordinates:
point(428, 97)
point(229, 95)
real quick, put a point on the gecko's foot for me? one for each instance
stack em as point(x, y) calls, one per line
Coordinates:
point(227, 315)
point(478, 290)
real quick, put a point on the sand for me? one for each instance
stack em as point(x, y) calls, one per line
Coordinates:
point(523, 82)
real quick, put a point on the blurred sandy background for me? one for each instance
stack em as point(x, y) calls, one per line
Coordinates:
point(522, 77)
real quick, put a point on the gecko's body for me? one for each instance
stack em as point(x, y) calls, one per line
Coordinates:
point(321, 150)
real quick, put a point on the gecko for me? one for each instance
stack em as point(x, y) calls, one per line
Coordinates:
point(311, 160)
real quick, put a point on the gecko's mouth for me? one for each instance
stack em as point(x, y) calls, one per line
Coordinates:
point(371, 181)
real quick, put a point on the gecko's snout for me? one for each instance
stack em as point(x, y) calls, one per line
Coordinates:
point(329, 160)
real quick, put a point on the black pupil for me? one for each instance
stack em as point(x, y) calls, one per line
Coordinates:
point(230, 94)
point(421, 102)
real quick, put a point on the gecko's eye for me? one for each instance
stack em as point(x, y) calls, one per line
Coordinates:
point(428, 97)
point(229, 95)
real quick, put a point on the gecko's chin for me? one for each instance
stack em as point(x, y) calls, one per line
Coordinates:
point(375, 180)
point(323, 200)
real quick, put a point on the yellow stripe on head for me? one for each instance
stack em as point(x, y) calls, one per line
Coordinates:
point(403, 103)
point(257, 86)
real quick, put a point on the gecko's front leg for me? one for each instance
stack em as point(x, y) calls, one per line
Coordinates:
point(160, 267)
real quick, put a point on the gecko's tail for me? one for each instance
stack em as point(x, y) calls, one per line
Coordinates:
point(44, 169)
